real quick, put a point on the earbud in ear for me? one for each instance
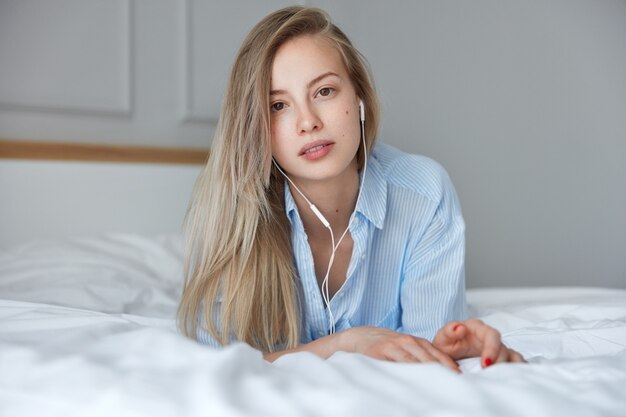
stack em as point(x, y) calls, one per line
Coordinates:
point(362, 110)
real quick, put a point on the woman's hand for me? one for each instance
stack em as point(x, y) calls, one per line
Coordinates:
point(388, 345)
point(473, 338)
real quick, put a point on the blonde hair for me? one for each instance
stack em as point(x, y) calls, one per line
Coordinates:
point(240, 279)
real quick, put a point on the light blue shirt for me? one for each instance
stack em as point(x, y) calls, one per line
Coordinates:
point(406, 272)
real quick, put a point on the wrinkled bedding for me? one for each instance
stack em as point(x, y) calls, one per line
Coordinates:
point(87, 329)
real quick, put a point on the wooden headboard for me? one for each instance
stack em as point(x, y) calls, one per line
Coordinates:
point(65, 151)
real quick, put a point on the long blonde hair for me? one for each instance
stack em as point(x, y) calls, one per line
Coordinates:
point(240, 279)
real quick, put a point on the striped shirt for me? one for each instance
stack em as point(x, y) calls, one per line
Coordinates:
point(406, 272)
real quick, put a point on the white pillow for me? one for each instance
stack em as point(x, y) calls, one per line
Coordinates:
point(111, 273)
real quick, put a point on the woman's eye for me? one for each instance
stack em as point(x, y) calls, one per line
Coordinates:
point(326, 91)
point(278, 106)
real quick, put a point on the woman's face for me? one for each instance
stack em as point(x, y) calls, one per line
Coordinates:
point(314, 111)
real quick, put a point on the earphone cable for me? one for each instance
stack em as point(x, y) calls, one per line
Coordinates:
point(334, 246)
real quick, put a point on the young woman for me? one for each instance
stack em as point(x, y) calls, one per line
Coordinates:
point(303, 235)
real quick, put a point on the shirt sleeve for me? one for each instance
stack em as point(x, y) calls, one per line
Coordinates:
point(432, 292)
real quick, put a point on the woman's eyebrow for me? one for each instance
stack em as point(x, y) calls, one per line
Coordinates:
point(310, 84)
point(320, 78)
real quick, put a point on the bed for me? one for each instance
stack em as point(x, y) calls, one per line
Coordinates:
point(87, 329)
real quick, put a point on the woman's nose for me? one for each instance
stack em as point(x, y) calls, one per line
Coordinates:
point(308, 119)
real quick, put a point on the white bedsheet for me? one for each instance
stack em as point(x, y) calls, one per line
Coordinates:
point(87, 329)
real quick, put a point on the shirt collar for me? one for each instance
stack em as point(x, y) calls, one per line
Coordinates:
point(373, 201)
point(290, 204)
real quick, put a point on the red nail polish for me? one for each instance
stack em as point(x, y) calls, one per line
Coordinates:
point(488, 362)
point(455, 327)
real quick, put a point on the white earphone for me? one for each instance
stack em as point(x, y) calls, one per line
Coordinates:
point(361, 110)
point(326, 223)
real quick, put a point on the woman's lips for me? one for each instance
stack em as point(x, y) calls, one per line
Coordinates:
point(317, 149)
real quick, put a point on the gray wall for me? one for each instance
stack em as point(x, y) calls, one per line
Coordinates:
point(524, 103)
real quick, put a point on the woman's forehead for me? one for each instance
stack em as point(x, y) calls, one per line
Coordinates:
point(304, 58)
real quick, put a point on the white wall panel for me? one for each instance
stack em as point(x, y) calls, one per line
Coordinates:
point(66, 56)
point(214, 32)
point(138, 72)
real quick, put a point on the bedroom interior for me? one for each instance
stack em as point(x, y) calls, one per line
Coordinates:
point(107, 109)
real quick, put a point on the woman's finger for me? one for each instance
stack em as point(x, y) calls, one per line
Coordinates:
point(443, 358)
point(409, 352)
point(491, 346)
point(503, 355)
point(455, 330)
point(423, 348)
point(399, 355)
point(450, 333)
point(421, 354)
point(515, 356)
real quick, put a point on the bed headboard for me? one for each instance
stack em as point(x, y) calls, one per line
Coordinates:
point(50, 190)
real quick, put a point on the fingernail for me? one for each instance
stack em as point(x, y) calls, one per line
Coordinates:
point(455, 327)
point(488, 362)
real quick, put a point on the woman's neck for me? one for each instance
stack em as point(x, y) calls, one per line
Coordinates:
point(335, 198)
